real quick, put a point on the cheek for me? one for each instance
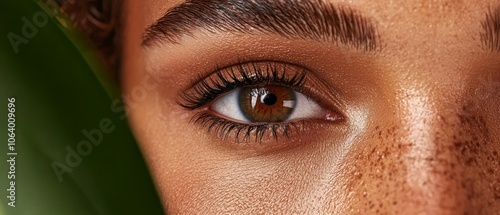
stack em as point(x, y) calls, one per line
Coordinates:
point(222, 182)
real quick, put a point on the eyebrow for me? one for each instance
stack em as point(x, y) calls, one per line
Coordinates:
point(490, 36)
point(295, 19)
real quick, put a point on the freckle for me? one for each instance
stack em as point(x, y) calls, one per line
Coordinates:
point(371, 204)
point(476, 143)
point(373, 150)
point(474, 138)
point(470, 161)
point(497, 196)
point(358, 175)
point(463, 151)
point(461, 118)
point(464, 184)
point(440, 117)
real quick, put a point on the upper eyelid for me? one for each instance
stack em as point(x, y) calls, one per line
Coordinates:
point(241, 64)
point(270, 74)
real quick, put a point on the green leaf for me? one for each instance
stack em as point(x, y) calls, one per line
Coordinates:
point(62, 93)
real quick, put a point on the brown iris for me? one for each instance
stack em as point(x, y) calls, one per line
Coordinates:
point(270, 103)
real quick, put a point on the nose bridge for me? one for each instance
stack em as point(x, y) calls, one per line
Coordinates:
point(447, 148)
point(433, 165)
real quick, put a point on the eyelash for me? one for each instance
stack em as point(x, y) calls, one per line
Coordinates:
point(209, 89)
point(243, 132)
point(252, 74)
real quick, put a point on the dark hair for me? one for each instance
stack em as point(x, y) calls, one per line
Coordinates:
point(100, 21)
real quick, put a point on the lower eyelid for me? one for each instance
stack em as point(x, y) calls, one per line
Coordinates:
point(248, 133)
point(260, 138)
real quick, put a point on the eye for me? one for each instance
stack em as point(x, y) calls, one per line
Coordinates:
point(249, 101)
point(266, 104)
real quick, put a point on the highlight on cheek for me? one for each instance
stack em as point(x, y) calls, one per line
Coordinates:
point(256, 99)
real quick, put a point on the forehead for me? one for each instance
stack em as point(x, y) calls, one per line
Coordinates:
point(438, 8)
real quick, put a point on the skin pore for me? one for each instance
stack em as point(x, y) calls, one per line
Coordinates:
point(414, 87)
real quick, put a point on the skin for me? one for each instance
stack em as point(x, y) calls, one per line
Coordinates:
point(421, 128)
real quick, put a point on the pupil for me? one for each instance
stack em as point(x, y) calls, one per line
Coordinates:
point(270, 99)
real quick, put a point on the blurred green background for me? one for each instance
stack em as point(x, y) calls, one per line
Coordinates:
point(61, 90)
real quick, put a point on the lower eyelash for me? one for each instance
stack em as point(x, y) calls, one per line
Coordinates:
point(243, 132)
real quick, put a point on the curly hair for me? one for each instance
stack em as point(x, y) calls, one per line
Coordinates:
point(100, 21)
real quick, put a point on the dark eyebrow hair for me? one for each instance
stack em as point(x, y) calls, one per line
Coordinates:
point(490, 37)
point(302, 19)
